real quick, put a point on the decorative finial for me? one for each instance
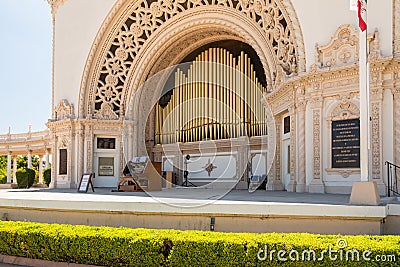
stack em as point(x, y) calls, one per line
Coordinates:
point(54, 4)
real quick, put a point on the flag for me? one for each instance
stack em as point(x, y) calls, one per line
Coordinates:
point(362, 14)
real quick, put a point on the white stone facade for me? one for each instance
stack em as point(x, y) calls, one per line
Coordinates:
point(310, 62)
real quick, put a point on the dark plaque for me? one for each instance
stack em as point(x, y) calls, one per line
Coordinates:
point(346, 144)
point(63, 162)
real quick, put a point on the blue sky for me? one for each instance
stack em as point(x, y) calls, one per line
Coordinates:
point(25, 70)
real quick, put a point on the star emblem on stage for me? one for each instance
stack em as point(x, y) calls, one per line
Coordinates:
point(209, 167)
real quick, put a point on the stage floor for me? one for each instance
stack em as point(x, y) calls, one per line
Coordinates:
point(192, 208)
point(189, 193)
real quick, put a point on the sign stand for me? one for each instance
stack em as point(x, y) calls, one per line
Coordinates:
point(85, 181)
point(146, 177)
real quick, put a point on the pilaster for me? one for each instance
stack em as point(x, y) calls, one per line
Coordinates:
point(89, 148)
point(396, 126)
point(317, 185)
point(376, 136)
point(274, 176)
point(301, 145)
point(54, 155)
point(292, 183)
point(80, 136)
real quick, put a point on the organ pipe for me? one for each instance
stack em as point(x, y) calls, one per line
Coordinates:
point(219, 97)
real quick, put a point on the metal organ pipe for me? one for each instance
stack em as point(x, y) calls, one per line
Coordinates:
point(219, 97)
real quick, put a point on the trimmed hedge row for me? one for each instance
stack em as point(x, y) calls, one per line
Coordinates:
point(3, 176)
point(25, 177)
point(47, 176)
point(146, 247)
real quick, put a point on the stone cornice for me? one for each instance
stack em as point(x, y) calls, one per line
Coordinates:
point(52, 124)
point(386, 64)
point(318, 81)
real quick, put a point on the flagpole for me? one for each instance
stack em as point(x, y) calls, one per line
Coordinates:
point(364, 192)
point(364, 105)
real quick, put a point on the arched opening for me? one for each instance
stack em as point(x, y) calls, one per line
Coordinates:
point(129, 51)
point(210, 108)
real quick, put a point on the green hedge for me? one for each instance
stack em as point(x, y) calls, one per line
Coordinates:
point(47, 176)
point(145, 247)
point(25, 177)
point(3, 176)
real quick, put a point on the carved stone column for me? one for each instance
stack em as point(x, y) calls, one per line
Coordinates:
point(122, 152)
point(71, 173)
point(29, 158)
point(128, 139)
point(47, 159)
point(9, 167)
point(376, 135)
point(301, 145)
point(317, 185)
point(41, 157)
point(80, 136)
point(89, 148)
point(396, 126)
point(15, 166)
point(274, 176)
point(54, 168)
point(292, 183)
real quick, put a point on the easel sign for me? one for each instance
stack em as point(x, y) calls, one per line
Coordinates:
point(86, 179)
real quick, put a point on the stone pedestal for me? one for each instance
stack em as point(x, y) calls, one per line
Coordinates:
point(365, 193)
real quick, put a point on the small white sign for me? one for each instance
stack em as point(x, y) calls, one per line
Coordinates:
point(353, 5)
point(84, 183)
point(106, 170)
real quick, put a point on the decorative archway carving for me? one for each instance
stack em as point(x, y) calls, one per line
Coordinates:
point(132, 26)
point(345, 110)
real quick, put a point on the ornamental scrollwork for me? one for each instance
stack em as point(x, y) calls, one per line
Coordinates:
point(147, 16)
point(343, 48)
point(64, 110)
point(345, 111)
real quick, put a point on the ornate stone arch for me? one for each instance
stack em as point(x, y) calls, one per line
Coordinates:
point(125, 38)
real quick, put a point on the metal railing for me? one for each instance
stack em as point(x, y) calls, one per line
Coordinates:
point(393, 172)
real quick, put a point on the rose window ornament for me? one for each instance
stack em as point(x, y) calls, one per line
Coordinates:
point(144, 18)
